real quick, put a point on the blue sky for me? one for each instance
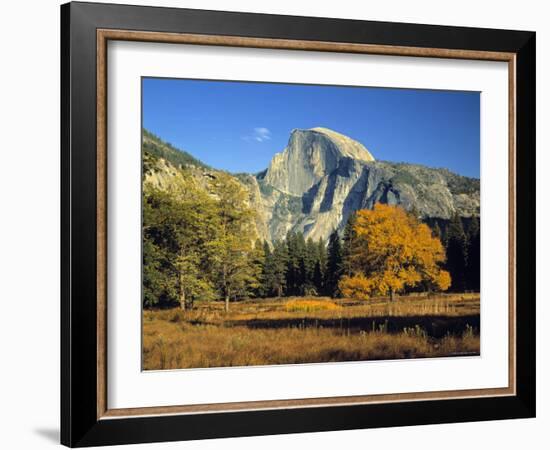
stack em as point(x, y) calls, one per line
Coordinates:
point(239, 126)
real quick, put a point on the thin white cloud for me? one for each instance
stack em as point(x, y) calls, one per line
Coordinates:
point(259, 134)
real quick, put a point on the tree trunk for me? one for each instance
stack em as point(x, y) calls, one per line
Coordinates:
point(392, 295)
point(226, 302)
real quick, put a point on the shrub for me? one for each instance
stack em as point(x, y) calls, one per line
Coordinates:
point(310, 305)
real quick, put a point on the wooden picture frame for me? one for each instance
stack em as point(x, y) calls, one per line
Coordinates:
point(86, 418)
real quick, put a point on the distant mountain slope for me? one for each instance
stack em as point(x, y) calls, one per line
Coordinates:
point(157, 147)
point(321, 177)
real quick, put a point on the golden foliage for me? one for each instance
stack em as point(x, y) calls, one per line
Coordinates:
point(357, 286)
point(444, 280)
point(310, 305)
point(393, 251)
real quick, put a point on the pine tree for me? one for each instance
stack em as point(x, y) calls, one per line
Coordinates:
point(473, 268)
point(334, 264)
point(280, 261)
point(322, 254)
point(437, 231)
point(473, 227)
point(457, 253)
point(301, 275)
point(347, 244)
point(268, 271)
point(311, 260)
point(320, 267)
point(257, 262)
point(293, 263)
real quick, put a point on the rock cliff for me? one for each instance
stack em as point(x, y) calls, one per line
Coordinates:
point(310, 156)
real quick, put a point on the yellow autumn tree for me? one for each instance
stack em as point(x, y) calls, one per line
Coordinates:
point(392, 251)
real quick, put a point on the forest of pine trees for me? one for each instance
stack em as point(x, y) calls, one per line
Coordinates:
point(462, 248)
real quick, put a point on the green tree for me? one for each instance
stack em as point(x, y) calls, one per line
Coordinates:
point(158, 285)
point(195, 226)
point(154, 278)
point(473, 267)
point(334, 264)
point(311, 261)
point(456, 250)
point(437, 231)
point(473, 227)
point(234, 243)
point(348, 242)
point(292, 263)
point(296, 270)
point(268, 271)
point(176, 225)
point(191, 282)
point(280, 261)
point(320, 267)
point(257, 262)
point(302, 266)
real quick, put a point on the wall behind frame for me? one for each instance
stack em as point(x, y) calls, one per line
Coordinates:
point(29, 229)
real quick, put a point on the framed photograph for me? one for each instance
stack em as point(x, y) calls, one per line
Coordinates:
point(276, 224)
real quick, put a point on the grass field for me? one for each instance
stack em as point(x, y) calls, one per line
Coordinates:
point(310, 330)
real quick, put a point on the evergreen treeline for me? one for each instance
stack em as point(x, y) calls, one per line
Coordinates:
point(295, 266)
point(463, 254)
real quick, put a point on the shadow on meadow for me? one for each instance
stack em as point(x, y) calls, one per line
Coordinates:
point(435, 326)
point(298, 330)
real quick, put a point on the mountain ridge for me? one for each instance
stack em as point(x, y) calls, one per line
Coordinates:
point(323, 177)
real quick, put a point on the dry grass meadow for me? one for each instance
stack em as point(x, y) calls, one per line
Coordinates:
point(310, 330)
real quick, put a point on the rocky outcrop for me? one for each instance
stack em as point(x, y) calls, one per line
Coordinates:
point(322, 176)
point(310, 156)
